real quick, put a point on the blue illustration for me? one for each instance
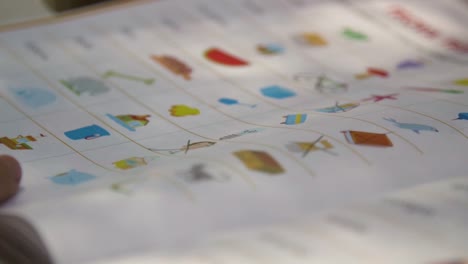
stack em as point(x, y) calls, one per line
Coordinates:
point(270, 48)
point(410, 64)
point(416, 128)
point(277, 92)
point(33, 97)
point(294, 119)
point(462, 116)
point(338, 108)
point(230, 101)
point(88, 133)
point(72, 177)
point(130, 122)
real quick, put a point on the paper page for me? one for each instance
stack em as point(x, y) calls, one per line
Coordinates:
point(426, 224)
point(156, 125)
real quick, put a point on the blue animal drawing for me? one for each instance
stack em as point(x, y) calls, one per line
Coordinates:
point(416, 128)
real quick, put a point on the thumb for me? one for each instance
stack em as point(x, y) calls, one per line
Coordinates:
point(10, 176)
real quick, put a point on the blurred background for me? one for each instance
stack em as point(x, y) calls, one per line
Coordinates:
point(23, 10)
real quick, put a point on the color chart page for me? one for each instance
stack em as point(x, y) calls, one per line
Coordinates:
point(154, 126)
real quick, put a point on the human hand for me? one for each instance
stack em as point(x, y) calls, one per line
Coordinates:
point(19, 241)
point(10, 177)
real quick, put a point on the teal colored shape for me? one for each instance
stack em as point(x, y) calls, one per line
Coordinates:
point(462, 116)
point(33, 97)
point(274, 48)
point(88, 133)
point(277, 92)
point(416, 128)
point(292, 119)
point(72, 177)
point(228, 101)
point(83, 84)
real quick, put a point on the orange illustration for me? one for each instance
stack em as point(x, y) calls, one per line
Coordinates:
point(174, 65)
point(367, 138)
point(259, 161)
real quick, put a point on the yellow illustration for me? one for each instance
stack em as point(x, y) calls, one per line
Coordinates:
point(307, 147)
point(461, 82)
point(130, 163)
point(183, 110)
point(18, 143)
point(259, 161)
point(312, 39)
point(303, 146)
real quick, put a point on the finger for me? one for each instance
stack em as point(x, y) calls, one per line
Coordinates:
point(10, 177)
point(20, 242)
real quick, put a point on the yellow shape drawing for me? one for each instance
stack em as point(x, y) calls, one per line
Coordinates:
point(130, 163)
point(313, 39)
point(461, 82)
point(259, 161)
point(183, 110)
point(308, 145)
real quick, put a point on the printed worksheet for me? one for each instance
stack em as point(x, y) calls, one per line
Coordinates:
point(223, 131)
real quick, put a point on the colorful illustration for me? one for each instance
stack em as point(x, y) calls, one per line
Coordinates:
point(87, 132)
point(18, 143)
point(322, 83)
point(224, 58)
point(416, 128)
point(174, 65)
point(183, 110)
point(230, 101)
point(199, 173)
point(371, 72)
point(72, 177)
point(438, 90)
point(270, 49)
point(110, 73)
point(130, 122)
point(325, 84)
point(311, 39)
point(82, 85)
point(294, 119)
point(353, 34)
point(187, 147)
point(367, 138)
point(461, 82)
point(277, 92)
point(307, 78)
point(378, 98)
point(462, 116)
point(130, 163)
point(411, 64)
point(33, 97)
point(338, 108)
point(259, 161)
point(307, 147)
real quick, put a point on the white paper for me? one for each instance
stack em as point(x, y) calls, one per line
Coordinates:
point(151, 128)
